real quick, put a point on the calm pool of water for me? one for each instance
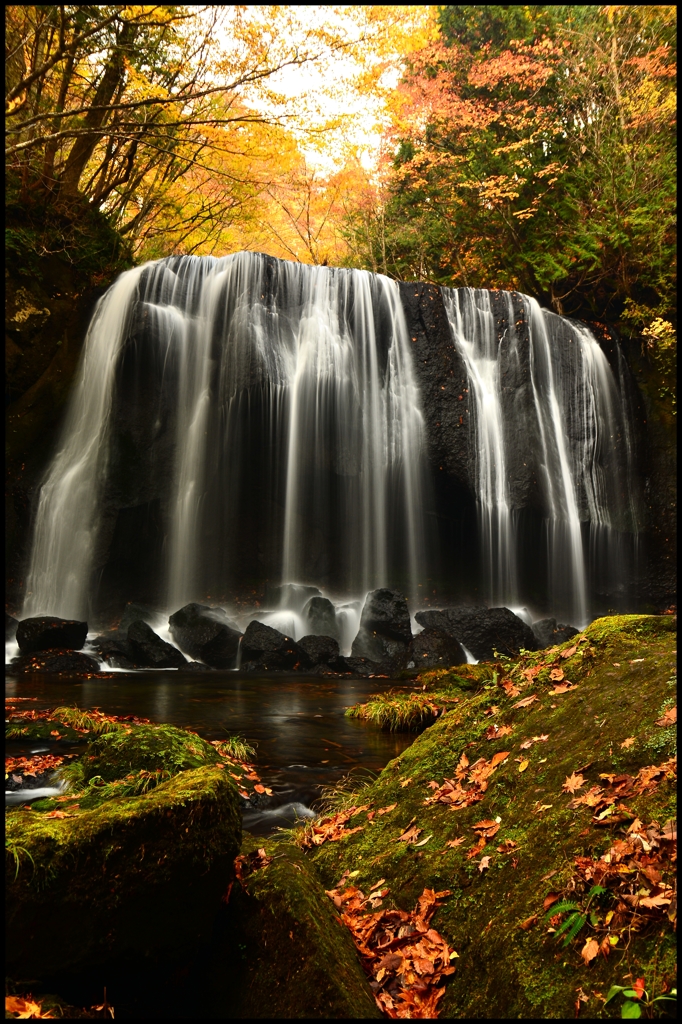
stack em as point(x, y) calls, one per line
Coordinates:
point(296, 723)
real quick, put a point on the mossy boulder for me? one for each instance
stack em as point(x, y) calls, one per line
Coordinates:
point(283, 952)
point(623, 680)
point(114, 876)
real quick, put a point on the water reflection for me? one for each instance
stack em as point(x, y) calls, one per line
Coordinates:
point(296, 724)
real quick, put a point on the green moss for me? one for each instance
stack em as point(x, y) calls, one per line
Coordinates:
point(285, 953)
point(133, 875)
point(622, 667)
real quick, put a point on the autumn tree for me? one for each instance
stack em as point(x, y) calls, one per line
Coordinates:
point(533, 148)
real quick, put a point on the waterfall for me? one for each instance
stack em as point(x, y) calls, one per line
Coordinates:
point(263, 414)
point(545, 408)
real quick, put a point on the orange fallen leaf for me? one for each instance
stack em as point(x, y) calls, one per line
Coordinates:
point(525, 702)
point(638, 988)
point(405, 782)
point(628, 742)
point(484, 863)
point(387, 810)
point(377, 884)
point(550, 898)
point(573, 782)
point(475, 850)
point(557, 674)
point(568, 653)
point(669, 718)
point(506, 846)
point(455, 842)
point(589, 950)
point(25, 1008)
point(529, 922)
point(564, 687)
point(59, 814)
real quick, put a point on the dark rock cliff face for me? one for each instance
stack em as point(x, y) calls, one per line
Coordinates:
point(446, 403)
point(46, 322)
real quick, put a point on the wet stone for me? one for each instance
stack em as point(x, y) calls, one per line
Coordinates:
point(150, 650)
point(45, 632)
point(56, 661)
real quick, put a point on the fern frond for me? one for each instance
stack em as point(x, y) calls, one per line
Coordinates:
point(578, 920)
point(562, 907)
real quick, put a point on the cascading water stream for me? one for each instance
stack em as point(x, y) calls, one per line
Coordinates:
point(265, 412)
point(473, 326)
point(544, 401)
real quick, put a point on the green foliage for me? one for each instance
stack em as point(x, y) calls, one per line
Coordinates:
point(540, 156)
point(36, 229)
point(577, 918)
point(636, 1000)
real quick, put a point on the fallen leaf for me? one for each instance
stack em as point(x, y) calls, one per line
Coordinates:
point(523, 765)
point(475, 850)
point(505, 730)
point(557, 674)
point(573, 782)
point(525, 745)
point(525, 702)
point(409, 835)
point(491, 732)
point(564, 687)
point(589, 950)
point(387, 810)
point(669, 718)
point(405, 782)
point(662, 899)
point(259, 789)
point(498, 759)
point(509, 688)
point(424, 841)
point(487, 828)
point(455, 842)
point(25, 1008)
point(377, 884)
point(59, 814)
point(550, 898)
point(529, 922)
point(484, 863)
point(568, 653)
point(506, 846)
point(628, 742)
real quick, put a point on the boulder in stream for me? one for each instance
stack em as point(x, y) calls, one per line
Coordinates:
point(549, 632)
point(433, 649)
point(266, 648)
point(322, 650)
point(207, 634)
point(319, 616)
point(482, 630)
point(45, 632)
point(150, 651)
point(56, 661)
point(115, 650)
point(385, 612)
point(385, 631)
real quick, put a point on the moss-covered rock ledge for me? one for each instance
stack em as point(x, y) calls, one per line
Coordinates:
point(131, 862)
point(575, 720)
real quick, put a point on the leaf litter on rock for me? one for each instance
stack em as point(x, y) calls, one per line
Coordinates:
point(406, 960)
